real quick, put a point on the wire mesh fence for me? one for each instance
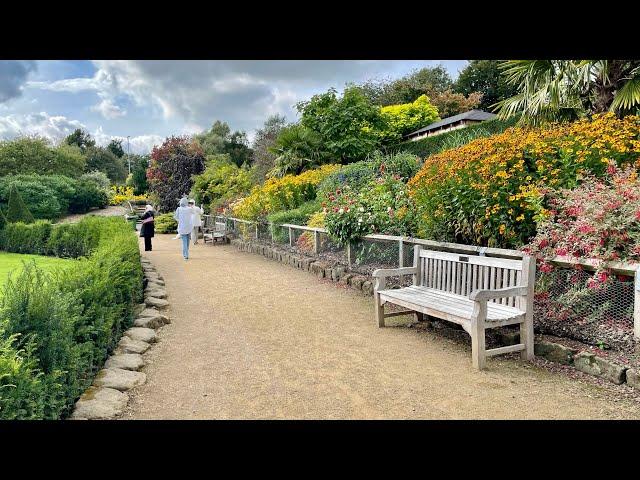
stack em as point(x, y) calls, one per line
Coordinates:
point(601, 314)
point(564, 304)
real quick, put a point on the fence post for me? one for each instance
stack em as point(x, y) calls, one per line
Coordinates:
point(349, 253)
point(290, 237)
point(271, 229)
point(400, 253)
point(636, 305)
point(316, 242)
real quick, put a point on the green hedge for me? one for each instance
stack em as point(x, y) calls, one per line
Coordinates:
point(455, 138)
point(165, 223)
point(56, 329)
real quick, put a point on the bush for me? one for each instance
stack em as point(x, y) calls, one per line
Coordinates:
point(491, 191)
point(220, 183)
point(296, 216)
point(455, 138)
point(65, 323)
point(26, 238)
point(279, 194)
point(98, 178)
point(356, 175)
point(407, 118)
point(165, 223)
point(17, 211)
point(87, 196)
point(36, 155)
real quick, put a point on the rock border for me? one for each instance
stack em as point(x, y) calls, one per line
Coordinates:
point(585, 361)
point(108, 396)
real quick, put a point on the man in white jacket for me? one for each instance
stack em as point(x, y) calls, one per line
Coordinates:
point(197, 220)
point(184, 217)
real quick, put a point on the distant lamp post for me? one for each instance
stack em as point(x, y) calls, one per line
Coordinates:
point(129, 153)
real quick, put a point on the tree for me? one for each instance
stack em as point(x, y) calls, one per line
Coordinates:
point(484, 76)
point(221, 182)
point(263, 158)
point(449, 103)
point(561, 90)
point(172, 166)
point(81, 139)
point(139, 165)
point(99, 158)
point(297, 149)
point(37, 155)
point(349, 126)
point(115, 147)
point(408, 117)
point(219, 139)
point(429, 81)
point(17, 211)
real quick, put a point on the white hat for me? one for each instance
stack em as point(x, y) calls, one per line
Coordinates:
point(191, 200)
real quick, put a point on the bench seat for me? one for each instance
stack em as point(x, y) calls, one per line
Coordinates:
point(448, 306)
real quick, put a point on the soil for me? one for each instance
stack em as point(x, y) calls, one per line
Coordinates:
point(251, 338)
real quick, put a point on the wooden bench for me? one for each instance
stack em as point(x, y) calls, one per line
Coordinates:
point(213, 230)
point(474, 291)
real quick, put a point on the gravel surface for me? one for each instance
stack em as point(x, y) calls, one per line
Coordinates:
point(252, 338)
point(110, 211)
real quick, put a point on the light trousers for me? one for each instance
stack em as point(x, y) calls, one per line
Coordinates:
point(195, 234)
point(185, 244)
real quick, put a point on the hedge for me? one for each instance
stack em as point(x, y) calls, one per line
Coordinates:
point(455, 138)
point(56, 329)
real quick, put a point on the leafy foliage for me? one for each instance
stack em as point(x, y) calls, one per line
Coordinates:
point(296, 149)
point(450, 103)
point(491, 191)
point(81, 139)
point(406, 118)
point(115, 147)
point(17, 211)
point(484, 77)
point(56, 329)
point(165, 223)
point(263, 159)
point(103, 160)
point(172, 166)
point(36, 155)
point(220, 183)
point(219, 140)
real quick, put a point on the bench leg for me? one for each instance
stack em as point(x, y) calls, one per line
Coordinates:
point(379, 310)
point(478, 356)
point(526, 337)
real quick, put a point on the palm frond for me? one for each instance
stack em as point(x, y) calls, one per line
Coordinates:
point(628, 96)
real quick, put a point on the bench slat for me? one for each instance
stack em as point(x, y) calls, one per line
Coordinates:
point(473, 259)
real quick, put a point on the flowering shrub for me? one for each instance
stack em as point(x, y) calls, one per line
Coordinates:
point(491, 191)
point(284, 193)
point(119, 194)
point(305, 240)
point(220, 182)
point(598, 220)
point(383, 207)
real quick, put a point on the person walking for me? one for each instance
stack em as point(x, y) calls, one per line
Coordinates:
point(147, 229)
point(197, 220)
point(184, 217)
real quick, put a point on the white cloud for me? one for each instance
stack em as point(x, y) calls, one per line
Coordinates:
point(108, 109)
point(140, 144)
point(52, 127)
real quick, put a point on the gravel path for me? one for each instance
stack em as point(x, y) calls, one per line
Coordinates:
point(251, 338)
point(110, 211)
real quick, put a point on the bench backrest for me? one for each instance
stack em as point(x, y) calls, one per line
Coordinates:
point(221, 226)
point(462, 274)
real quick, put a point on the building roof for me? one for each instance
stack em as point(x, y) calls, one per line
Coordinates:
point(477, 115)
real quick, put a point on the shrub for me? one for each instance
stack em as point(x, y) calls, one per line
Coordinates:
point(72, 240)
point(17, 211)
point(98, 178)
point(384, 207)
point(297, 216)
point(65, 323)
point(284, 193)
point(26, 238)
point(407, 117)
point(120, 194)
point(220, 183)
point(455, 138)
point(87, 196)
point(37, 155)
point(356, 175)
point(490, 191)
point(165, 223)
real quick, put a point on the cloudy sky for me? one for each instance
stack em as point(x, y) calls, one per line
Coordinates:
point(149, 100)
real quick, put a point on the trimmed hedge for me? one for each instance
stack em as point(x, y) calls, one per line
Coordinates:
point(56, 329)
point(436, 144)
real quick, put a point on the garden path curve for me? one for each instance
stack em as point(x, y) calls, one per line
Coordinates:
point(252, 338)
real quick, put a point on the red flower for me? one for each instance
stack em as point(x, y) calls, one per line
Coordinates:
point(543, 243)
point(561, 251)
point(602, 277)
point(611, 169)
point(546, 268)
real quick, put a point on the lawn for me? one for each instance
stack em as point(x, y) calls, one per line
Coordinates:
point(11, 263)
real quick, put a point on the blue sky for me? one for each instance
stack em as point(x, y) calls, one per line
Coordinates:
point(150, 100)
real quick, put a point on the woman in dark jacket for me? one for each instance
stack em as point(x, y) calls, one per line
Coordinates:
point(147, 229)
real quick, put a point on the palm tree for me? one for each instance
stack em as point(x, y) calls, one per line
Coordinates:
point(558, 90)
point(297, 149)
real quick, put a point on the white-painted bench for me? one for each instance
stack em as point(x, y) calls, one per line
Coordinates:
point(213, 230)
point(474, 291)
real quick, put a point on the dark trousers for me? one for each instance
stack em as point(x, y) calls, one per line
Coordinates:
point(147, 244)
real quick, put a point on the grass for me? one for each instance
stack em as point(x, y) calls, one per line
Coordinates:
point(12, 263)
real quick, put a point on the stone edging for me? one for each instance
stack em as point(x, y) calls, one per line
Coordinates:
point(107, 397)
point(586, 362)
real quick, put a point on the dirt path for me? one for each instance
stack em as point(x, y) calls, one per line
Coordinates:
point(252, 338)
point(110, 211)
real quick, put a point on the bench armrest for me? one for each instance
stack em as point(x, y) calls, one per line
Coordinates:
point(499, 293)
point(391, 272)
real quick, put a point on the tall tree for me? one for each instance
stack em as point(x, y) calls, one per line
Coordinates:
point(297, 149)
point(173, 164)
point(559, 90)
point(348, 126)
point(219, 140)
point(485, 77)
point(115, 147)
point(263, 159)
point(80, 138)
point(101, 159)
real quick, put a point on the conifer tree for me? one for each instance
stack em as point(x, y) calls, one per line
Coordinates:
point(17, 211)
